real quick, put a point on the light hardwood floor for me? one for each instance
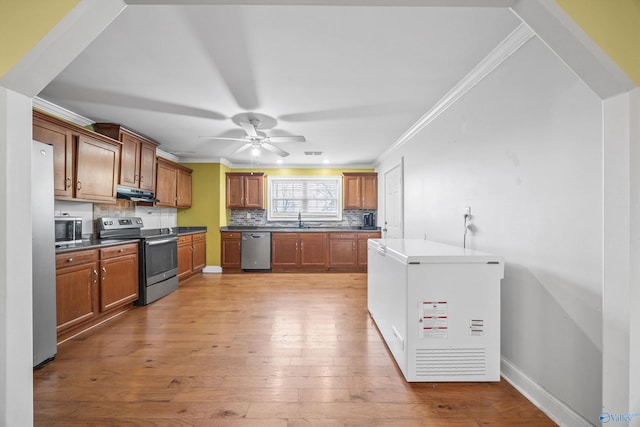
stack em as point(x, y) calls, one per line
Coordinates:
point(256, 350)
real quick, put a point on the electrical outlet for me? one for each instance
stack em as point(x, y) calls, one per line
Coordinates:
point(248, 215)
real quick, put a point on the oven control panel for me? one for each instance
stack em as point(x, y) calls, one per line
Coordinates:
point(119, 223)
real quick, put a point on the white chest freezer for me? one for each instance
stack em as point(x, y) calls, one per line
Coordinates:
point(437, 308)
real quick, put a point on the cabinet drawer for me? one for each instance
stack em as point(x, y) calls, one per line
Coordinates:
point(120, 250)
point(199, 237)
point(230, 235)
point(342, 235)
point(70, 259)
point(184, 240)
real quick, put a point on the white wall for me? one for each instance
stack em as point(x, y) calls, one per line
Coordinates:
point(16, 348)
point(523, 148)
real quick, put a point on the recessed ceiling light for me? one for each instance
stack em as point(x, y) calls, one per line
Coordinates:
point(279, 161)
point(325, 161)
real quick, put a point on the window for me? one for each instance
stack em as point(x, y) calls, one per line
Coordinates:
point(316, 198)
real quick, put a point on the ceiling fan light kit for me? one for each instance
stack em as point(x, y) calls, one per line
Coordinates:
point(255, 139)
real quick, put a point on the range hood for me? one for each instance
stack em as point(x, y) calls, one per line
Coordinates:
point(136, 195)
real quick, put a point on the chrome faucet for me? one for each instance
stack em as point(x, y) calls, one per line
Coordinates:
point(299, 219)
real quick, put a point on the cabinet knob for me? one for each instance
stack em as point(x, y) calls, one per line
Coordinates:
point(68, 182)
point(121, 250)
point(79, 185)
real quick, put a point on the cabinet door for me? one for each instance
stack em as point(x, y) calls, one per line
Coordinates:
point(284, 250)
point(185, 256)
point(351, 192)
point(313, 250)
point(199, 251)
point(254, 191)
point(369, 187)
point(235, 191)
point(98, 165)
point(342, 250)
point(62, 141)
point(129, 161)
point(230, 250)
point(76, 294)
point(183, 199)
point(147, 179)
point(166, 185)
point(118, 281)
point(362, 247)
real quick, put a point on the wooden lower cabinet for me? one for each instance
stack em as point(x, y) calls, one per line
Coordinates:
point(76, 288)
point(342, 250)
point(304, 251)
point(284, 251)
point(118, 276)
point(298, 251)
point(192, 254)
point(230, 254)
point(362, 250)
point(94, 284)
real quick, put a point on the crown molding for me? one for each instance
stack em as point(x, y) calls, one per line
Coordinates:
point(63, 113)
point(514, 41)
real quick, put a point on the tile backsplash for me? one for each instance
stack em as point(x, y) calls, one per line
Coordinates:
point(258, 217)
point(152, 217)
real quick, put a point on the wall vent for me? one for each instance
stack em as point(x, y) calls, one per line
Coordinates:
point(313, 153)
point(437, 362)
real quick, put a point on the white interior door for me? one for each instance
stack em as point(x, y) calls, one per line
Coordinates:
point(393, 227)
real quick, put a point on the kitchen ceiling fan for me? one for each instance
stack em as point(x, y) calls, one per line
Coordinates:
point(256, 139)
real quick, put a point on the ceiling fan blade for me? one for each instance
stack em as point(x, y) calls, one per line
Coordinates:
point(221, 138)
point(287, 138)
point(243, 148)
point(249, 129)
point(280, 152)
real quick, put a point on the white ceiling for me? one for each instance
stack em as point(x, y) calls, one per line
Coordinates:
point(350, 79)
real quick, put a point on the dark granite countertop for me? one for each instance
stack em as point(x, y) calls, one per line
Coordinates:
point(310, 229)
point(92, 243)
point(190, 230)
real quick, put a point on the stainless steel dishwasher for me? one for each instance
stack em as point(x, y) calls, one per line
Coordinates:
point(256, 250)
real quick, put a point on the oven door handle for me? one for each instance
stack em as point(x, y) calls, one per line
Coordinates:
point(161, 241)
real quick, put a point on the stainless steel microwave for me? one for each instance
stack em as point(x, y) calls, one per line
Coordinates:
point(68, 229)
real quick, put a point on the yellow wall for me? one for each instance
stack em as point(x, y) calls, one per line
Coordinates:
point(23, 23)
point(614, 25)
point(205, 206)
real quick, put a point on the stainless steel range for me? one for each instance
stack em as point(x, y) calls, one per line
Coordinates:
point(157, 254)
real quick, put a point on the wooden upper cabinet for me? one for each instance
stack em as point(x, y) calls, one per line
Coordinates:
point(173, 184)
point(245, 190)
point(86, 164)
point(62, 140)
point(137, 163)
point(183, 188)
point(97, 169)
point(360, 190)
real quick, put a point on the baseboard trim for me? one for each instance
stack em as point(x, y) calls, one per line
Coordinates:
point(212, 269)
point(545, 401)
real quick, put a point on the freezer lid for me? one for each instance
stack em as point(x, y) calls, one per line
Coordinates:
point(419, 251)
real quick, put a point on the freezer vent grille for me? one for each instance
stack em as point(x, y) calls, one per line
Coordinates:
point(435, 362)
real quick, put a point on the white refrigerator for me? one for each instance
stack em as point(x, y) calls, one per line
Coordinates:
point(437, 308)
point(43, 254)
